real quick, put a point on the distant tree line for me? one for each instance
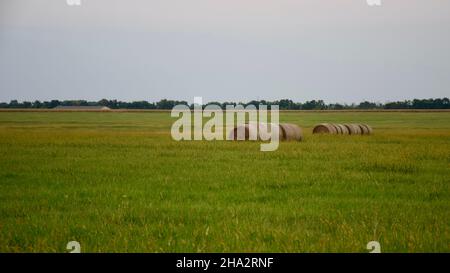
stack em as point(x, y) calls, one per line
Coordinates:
point(284, 104)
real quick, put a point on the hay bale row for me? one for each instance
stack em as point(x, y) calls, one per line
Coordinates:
point(343, 129)
point(254, 131)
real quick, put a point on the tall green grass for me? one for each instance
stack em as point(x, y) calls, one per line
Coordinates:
point(117, 182)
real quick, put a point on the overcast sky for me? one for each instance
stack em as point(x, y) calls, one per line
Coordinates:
point(222, 50)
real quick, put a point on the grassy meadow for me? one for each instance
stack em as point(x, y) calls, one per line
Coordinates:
point(117, 182)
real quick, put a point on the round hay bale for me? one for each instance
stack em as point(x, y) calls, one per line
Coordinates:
point(364, 130)
point(344, 130)
point(358, 129)
point(324, 128)
point(290, 132)
point(353, 129)
point(369, 129)
point(338, 129)
point(264, 134)
point(244, 132)
point(239, 133)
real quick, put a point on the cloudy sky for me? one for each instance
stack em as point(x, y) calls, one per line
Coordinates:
point(338, 51)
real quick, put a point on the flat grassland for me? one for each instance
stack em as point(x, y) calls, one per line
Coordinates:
point(117, 182)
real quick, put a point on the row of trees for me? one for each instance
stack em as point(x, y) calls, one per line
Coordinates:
point(284, 104)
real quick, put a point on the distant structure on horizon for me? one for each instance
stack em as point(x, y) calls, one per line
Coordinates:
point(82, 108)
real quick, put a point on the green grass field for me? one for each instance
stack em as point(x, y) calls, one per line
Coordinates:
point(117, 182)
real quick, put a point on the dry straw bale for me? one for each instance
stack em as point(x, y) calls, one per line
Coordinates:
point(264, 133)
point(338, 129)
point(258, 131)
point(239, 132)
point(290, 132)
point(244, 132)
point(324, 128)
point(357, 129)
point(344, 129)
point(369, 129)
point(353, 129)
point(364, 129)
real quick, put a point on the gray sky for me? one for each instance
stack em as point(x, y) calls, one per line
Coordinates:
point(335, 50)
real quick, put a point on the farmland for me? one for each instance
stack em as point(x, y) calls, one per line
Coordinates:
point(117, 182)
